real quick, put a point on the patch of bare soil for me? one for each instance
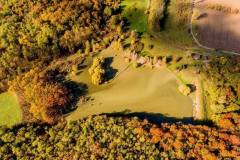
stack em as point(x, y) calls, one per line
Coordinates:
point(218, 29)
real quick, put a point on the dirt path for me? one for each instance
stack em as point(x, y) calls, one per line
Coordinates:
point(199, 107)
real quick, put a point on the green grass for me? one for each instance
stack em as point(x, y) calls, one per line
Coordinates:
point(161, 48)
point(10, 111)
point(137, 18)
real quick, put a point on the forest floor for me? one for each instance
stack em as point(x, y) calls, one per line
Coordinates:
point(10, 110)
point(218, 29)
point(142, 90)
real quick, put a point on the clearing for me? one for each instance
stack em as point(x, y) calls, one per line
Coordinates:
point(134, 90)
point(145, 90)
point(10, 111)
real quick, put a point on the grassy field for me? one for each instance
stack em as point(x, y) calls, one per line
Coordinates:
point(134, 11)
point(146, 90)
point(10, 111)
point(139, 90)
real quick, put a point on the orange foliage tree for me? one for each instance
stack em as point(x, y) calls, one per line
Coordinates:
point(46, 98)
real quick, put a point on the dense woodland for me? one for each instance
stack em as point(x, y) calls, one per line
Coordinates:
point(222, 89)
point(33, 32)
point(103, 137)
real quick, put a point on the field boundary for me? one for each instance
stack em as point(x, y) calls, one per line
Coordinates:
point(197, 41)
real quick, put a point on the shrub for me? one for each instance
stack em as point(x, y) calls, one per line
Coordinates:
point(222, 8)
point(184, 89)
point(108, 11)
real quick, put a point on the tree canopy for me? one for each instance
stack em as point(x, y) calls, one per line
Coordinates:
point(46, 98)
point(102, 137)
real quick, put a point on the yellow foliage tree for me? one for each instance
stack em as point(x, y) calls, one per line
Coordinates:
point(97, 71)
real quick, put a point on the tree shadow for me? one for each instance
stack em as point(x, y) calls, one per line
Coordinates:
point(110, 72)
point(158, 118)
point(81, 68)
point(163, 21)
point(203, 15)
point(192, 87)
point(77, 90)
